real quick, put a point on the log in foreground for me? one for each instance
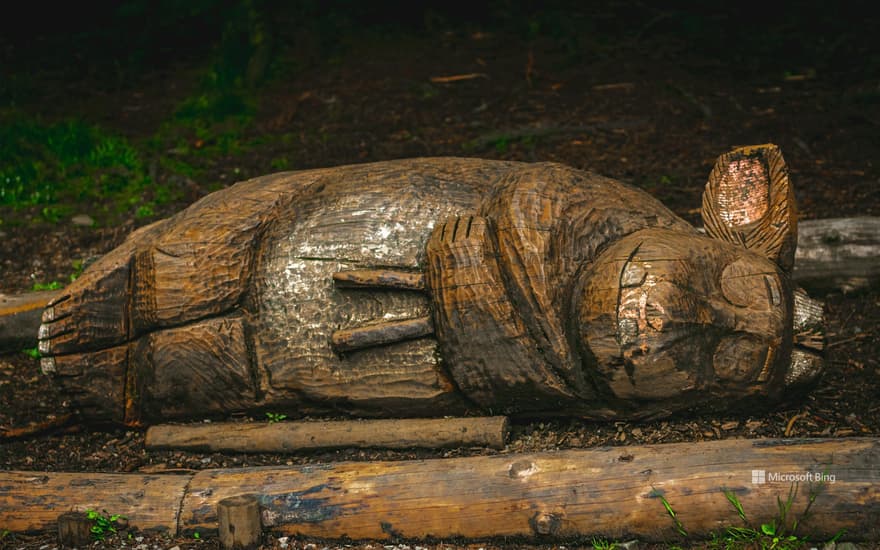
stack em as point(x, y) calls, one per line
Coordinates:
point(612, 492)
point(283, 437)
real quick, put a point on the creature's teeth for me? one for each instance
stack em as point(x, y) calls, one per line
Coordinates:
point(45, 347)
point(48, 315)
point(47, 365)
point(43, 333)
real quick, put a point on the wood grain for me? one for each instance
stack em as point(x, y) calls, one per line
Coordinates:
point(611, 492)
point(289, 437)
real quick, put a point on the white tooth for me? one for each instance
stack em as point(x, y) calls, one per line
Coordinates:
point(45, 347)
point(47, 365)
point(43, 333)
point(48, 315)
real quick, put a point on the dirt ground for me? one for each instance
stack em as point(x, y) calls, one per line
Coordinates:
point(639, 101)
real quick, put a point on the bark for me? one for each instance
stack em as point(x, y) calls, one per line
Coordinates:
point(838, 254)
point(239, 523)
point(297, 436)
point(20, 319)
point(617, 493)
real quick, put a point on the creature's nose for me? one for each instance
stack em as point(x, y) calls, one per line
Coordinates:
point(809, 340)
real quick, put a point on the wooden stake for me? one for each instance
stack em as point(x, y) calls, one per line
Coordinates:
point(74, 530)
point(281, 437)
point(239, 523)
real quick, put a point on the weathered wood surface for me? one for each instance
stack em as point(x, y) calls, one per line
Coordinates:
point(20, 319)
point(834, 254)
point(74, 530)
point(429, 287)
point(611, 492)
point(239, 522)
point(838, 254)
point(32, 501)
point(282, 437)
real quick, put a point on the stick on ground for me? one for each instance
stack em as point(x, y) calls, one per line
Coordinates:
point(282, 437)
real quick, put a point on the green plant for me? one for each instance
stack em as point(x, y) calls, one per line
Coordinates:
point(78, 266)
point(196, 535)
point(275, 417)
point(144, 211)
point(678, 526)
point(775, 535)
point(52, 168)
point(33, 353)
point(53, 285)
point(103, 524)
point(602, 544)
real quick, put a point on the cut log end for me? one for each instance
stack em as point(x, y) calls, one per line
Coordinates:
point(74, 530)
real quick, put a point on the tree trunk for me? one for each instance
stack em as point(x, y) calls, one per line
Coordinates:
point(838, 254)
point(612, 492)
point(20, 319)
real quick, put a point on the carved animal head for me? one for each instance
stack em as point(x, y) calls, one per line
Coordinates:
point(687, 318)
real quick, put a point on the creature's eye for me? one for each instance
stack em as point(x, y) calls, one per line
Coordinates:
point(742, 285)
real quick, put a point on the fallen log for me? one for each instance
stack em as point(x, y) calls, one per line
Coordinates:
point(284, 437)
point(838, 254)
point(20, 319)
point(615, 492)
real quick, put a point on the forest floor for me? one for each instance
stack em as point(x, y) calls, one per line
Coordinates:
point(648, 109)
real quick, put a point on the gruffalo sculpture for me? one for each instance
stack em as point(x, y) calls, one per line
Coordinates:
point(431, 287)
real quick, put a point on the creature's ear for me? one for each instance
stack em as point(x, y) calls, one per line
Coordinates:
point(749, 201)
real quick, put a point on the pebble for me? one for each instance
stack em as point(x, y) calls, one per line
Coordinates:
point(83, 220)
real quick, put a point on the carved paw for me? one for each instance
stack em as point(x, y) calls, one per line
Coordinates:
point(460, 242)
point(91, 314)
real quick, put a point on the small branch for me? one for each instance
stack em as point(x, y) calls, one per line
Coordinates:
point(288, 437)
point(457, 78)
point(379, 278)
point(381, 334)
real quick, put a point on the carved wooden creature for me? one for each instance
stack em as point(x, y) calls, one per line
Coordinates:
point(431, 287)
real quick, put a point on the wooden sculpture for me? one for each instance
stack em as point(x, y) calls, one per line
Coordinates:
point(432, 287)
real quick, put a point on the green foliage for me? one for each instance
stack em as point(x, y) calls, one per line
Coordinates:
point(54, 167)
point(275, 417)
point(103, 524)
point(52, 285)
point(678, 526)
point(197, 535)
point(602, 544)
point(78, 267)
point(33, 353)
point(775, 535)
